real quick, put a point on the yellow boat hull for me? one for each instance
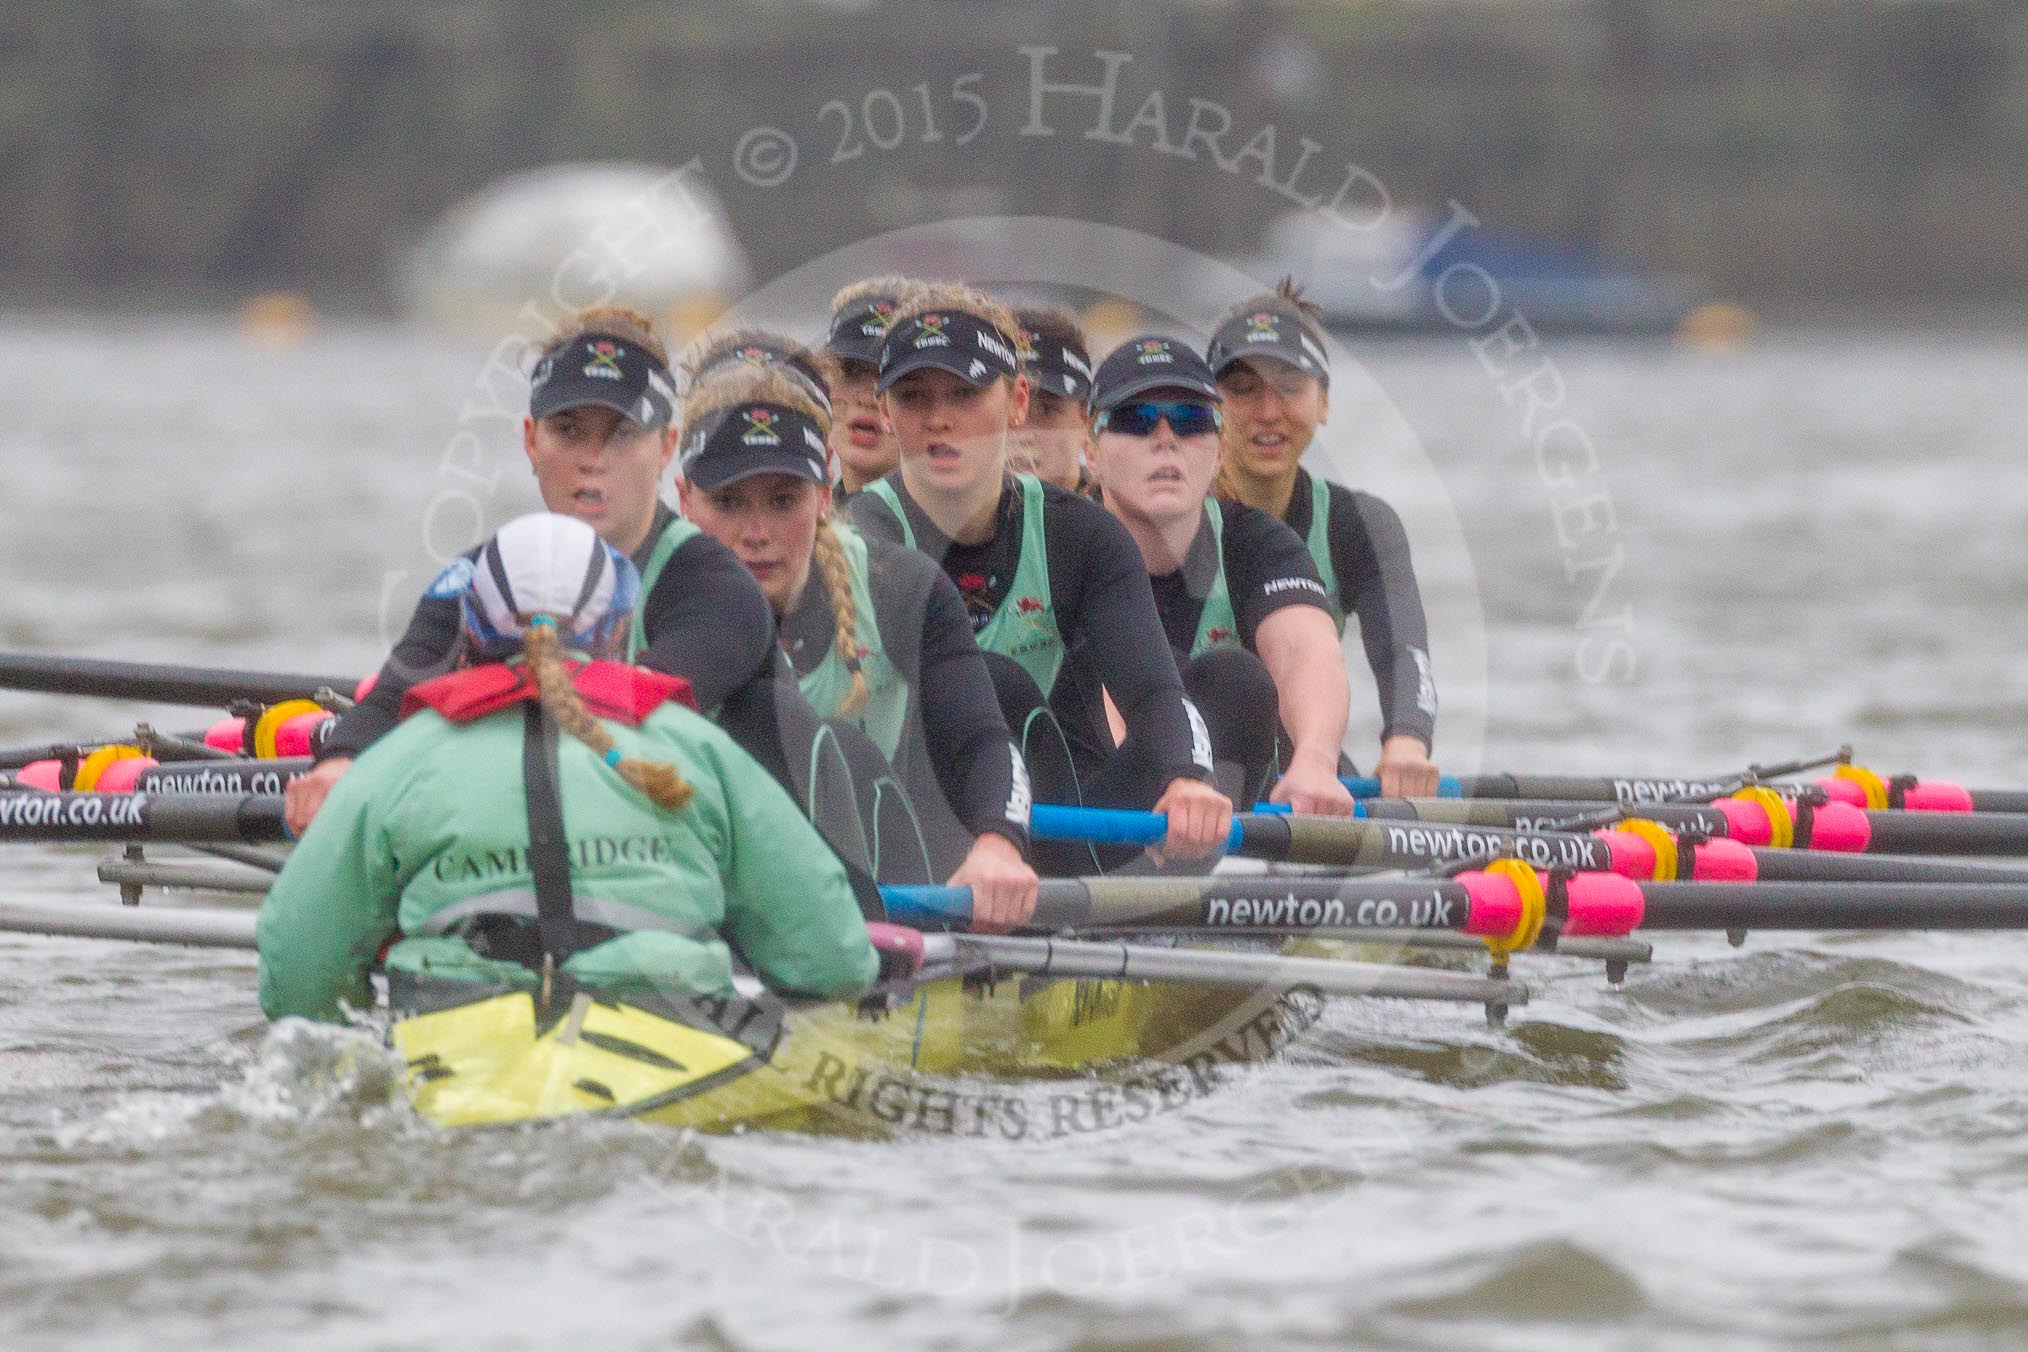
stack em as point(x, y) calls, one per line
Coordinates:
point(826, 1067)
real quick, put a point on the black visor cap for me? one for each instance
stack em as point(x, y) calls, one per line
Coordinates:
point(607, 371)
point(950, 340)
point(1151, 361)
point(754, 438)
point(1276, 332)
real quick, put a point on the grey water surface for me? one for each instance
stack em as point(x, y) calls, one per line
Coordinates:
point(1810, 1140)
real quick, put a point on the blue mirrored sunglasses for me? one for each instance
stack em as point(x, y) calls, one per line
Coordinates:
point(1186, 419)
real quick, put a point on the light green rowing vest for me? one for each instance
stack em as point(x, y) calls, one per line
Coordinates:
point(882, 489)
point(1319, 543)
point(1217, 626)
point(674, 536)
point(828, 683)
point(1024, 627)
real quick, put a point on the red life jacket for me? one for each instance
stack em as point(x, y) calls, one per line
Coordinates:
point(609, 689)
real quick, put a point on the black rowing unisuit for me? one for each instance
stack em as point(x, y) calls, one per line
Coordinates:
point(956, 740)
point(1266, 569)
point(1376, 583)
point(1104, 609)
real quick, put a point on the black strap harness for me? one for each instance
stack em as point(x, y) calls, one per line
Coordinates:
point(548, 851)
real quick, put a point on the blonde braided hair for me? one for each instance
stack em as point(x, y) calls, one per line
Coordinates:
point(829, 556)
point(544, 649)
point(728, 387)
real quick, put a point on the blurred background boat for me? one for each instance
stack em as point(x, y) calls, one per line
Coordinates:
point(575, 232)
point(1385, 279)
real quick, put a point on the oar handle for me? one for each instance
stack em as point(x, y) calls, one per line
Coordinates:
point(1060, 903)
point(1366, 786)
point(920, 905)
point(1110, 826)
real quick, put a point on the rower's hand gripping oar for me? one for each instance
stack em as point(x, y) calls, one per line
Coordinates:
point(1115, 826)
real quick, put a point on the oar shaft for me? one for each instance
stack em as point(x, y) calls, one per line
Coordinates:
point(1351, 843)
point(251, 819)
point(1250, 971)
point(168, 747)
point(1337, 841)
point(1411, 845)
point(1816, 866)
point(1241, 900)
point(157, 682)
point(1533, 814)
point(1815, 906)
point(152, 924)
point(266, 860)
point(1563, 945)
point(1625, 790)
point(196, 876)
point(1864, 788)
point(1970, 833)
point(163, 747)
point(236, 776)
point(1289, 904)
point(1990, 834)
point(16, 757)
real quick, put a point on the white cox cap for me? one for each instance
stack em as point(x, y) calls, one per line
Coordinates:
point(546, 564)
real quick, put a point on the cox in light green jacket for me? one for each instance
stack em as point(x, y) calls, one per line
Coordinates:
point(432, 824)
